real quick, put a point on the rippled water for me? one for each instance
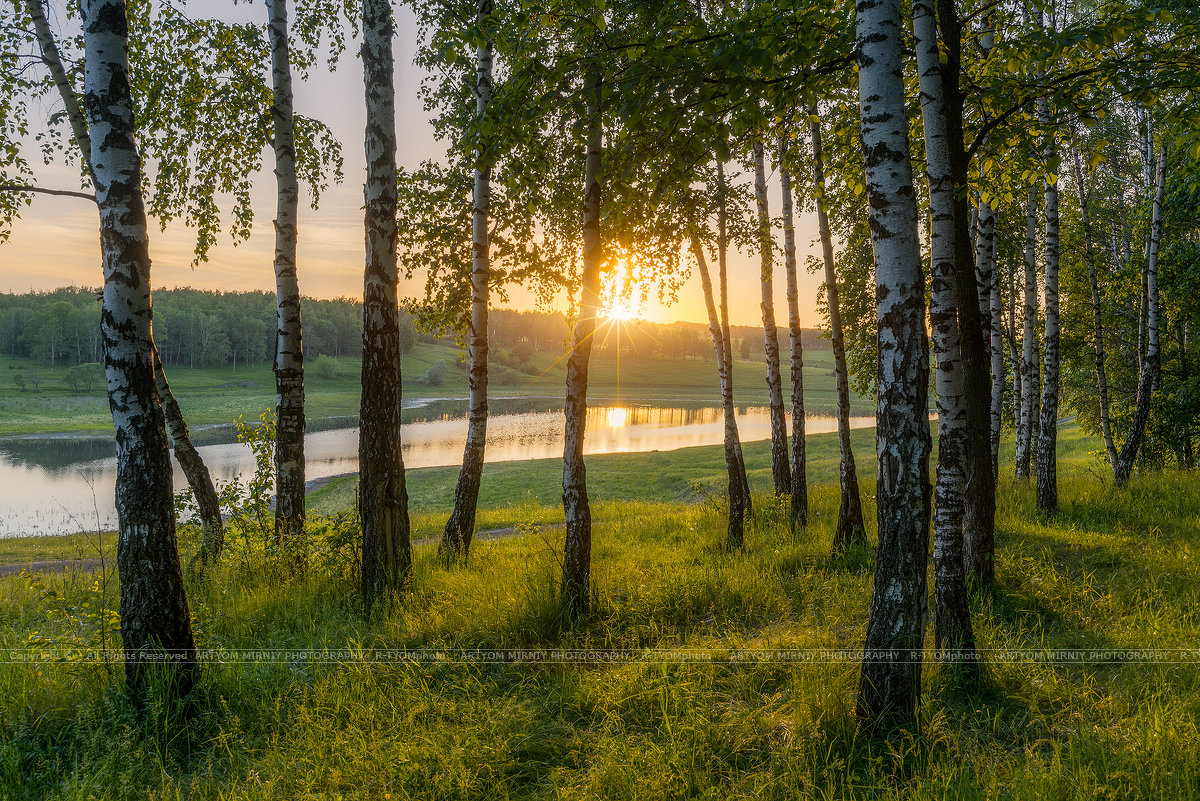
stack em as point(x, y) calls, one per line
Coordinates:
point(58, 485)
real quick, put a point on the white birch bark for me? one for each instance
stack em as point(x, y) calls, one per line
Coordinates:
point(799, 499)
point(781, 472)
point(723, 269)
point(382, 492)
point(890, 685)
point(456, 538)
point(1149, 378)
point(289, 348)
point(735, 533)
point(953, 636)
point(577, 558)
point(1047, 446)
point(1030, 350)
point(1097, 320)
point(153, 608)
point(190, 461)
point(851, 529)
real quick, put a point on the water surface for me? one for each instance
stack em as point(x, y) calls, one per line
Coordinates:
point(53, 485)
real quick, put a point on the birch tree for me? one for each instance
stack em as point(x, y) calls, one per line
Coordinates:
point(851, 529)
point(799, 499)
point(1047, 446)
point(1149, 374)
point(456, 538)
point(289, 347)
point(953, 636)
point(781, 472)
point(153, 607)
point(382, 493)
point(890, 684)
point(1030, 349)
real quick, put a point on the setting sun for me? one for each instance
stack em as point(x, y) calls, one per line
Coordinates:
point(620, 311)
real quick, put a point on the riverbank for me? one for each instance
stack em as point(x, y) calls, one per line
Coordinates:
point(217, 396)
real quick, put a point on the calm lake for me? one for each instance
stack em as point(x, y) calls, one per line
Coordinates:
point(55, 485)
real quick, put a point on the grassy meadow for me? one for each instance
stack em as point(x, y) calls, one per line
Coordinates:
point(217, 396)
point(1114, 570)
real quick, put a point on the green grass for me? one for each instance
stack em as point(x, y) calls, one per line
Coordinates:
point(1116, 568)
point(217, 396)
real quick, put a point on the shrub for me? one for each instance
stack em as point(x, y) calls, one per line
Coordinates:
point(83, 377)
point(435, 376)
point(19, 380)
point(522, 351)
point(326, 367)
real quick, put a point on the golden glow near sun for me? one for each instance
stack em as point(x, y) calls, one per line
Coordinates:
point(617, 417)
point(620, 294)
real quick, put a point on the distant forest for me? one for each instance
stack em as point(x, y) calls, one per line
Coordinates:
point(199, 328)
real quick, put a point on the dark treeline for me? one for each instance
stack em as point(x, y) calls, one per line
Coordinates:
point(197, 328)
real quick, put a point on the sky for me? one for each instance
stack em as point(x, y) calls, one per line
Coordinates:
point(55, 243)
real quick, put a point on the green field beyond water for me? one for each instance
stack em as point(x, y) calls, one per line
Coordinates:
point(1114, 570)
point(217, 396)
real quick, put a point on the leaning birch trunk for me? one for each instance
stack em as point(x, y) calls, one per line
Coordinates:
point(979, 499)
point(722, 264)
point(799, 505)
point(781, 471)
point(212, 527)
point(189, 458)
point(1097, 321)
point(851, 530)
point(889, 689)
point(456, 538)
point(154, 611)
point(735, 535)
point(289, 348)
point(1030, 355)
point(577, 558)
point(1047, 446)
point(382, 493)
point(953, 636)
point(1149, 378)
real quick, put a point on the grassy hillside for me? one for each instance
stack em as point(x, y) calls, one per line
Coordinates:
point(218, 395)
point(1112, 571)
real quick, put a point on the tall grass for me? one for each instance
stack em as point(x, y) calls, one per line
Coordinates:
point(1113, 570)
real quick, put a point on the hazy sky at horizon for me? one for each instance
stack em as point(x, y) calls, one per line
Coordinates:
point(55, 243)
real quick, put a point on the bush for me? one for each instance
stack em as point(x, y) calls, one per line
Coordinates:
point(435, 376)
point(522, 351)
point(83, 377)
point(19, 380)
point(326, 367)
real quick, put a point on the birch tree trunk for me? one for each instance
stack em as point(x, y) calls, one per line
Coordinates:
point(799, 500)
point(456, 538)
point(1097, 321)
point(992, 310)
point(781, 471)
point(289, 348)
point(190, 461)
point(890, 685)
point(953, 637)
point(1030, 351)
point(155, 621)
point(851, 530)
point(382, 493)
point(1047, 447)
point(577, 559)
point(979, 510)
point(737, 505)
point(722, 264)
point(212, 527)
point(1149, 378)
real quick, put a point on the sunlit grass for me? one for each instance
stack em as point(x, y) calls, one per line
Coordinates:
point(1113, 569)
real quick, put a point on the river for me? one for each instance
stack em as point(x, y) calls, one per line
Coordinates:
point(55, 485)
